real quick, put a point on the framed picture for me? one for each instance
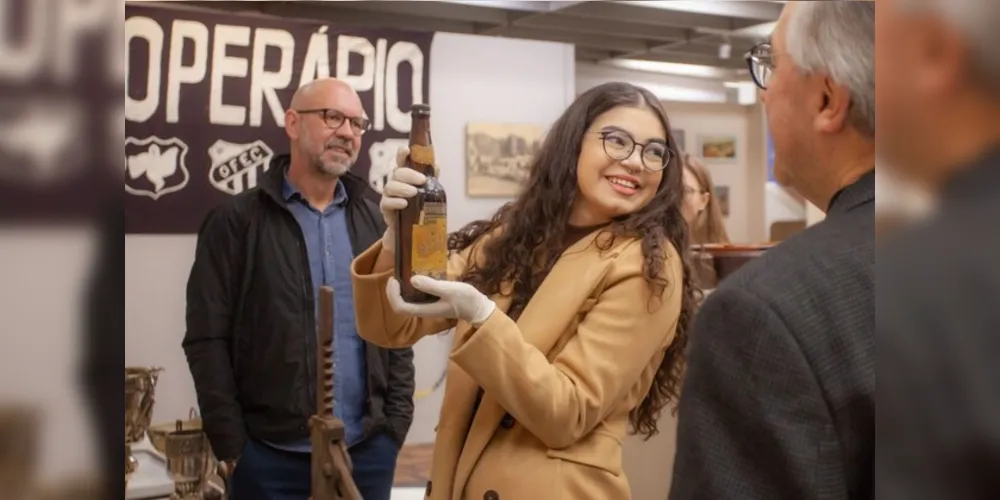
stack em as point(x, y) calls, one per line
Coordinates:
point(680, 138)
point(722, 198)
point(498, 157)
point(718, 148)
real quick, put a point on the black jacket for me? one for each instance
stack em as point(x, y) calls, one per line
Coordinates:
point(250, 314)
point(778, 400)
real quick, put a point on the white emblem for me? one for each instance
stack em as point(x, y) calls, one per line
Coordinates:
point(235, 167)
point(383, 160)
point(156, 167)
point(41, 143)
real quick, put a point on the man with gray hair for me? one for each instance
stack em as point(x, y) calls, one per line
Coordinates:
point(778, 400)
point(939, 283)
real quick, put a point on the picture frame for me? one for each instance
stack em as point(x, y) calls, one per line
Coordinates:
point(722, 198)
point(499, 156)
point(718, 148)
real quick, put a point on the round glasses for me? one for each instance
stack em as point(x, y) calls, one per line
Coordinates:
point(334, 119)
point(760, 60)
point(619, 145)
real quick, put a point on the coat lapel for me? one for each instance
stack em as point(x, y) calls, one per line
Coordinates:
point(544, 320)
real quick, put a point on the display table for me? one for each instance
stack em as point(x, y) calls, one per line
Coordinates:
point(714, 263)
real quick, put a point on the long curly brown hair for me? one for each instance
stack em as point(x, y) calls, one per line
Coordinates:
point(535, 223)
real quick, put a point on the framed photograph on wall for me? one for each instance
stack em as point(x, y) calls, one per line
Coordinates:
point(722, 198)
point(680, 138)
point(718, 148)
point(498, 156)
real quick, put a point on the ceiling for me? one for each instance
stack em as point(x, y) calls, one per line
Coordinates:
point(704, 33)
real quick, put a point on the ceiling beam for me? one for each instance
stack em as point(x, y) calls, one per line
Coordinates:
point(580, 40)
point(746, 9)
point(656, 17)
point(604, 27)
point(478, 12)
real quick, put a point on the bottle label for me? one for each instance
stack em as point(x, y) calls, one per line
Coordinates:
point(422, 154)
point(430, 242)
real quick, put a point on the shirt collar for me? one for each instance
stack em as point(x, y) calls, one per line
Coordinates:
point(290, 192)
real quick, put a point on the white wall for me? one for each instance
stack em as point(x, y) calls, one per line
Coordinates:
point(666, 87)
point(472, 79)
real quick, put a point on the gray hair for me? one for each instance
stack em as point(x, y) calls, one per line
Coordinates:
point(838, 38)
point(977, 20)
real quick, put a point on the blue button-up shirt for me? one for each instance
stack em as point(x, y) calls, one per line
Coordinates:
point(329, 249)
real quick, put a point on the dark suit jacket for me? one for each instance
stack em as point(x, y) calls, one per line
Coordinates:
point(778, 399)
point(939, 347)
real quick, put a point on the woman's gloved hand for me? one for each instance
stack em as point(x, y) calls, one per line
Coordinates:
point(458, 300)
point(402, 184)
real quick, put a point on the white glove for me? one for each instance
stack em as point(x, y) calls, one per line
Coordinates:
point(402, 184)
point(458, 300)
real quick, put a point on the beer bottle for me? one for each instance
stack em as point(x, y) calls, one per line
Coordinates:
point(422, 227)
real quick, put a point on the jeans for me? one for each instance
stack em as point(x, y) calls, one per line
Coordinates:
point(266, 473)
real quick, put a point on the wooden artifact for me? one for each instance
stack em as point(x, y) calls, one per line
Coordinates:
point(331, 465)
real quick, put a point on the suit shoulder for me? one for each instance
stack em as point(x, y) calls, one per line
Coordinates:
point(817, 258)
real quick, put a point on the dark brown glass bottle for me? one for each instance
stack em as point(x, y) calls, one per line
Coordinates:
point(422, 227)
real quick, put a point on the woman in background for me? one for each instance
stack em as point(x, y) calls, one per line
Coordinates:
point(571, 306)
point(701, 208)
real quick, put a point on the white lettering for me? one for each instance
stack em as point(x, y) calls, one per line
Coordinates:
point(75, 18)
point(379, 122)
point(23, 62)
point(346, 45)
point(177, 73)
point(317, 60)
point(146, 29)
point(263, 83)
point(222, 66)
point(399, 53)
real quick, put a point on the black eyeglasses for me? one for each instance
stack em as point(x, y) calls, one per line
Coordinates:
point(619, 145)
point(760, 60)
point(335, 119)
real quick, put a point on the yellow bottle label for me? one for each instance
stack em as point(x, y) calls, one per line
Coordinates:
point(430, 242)
point(422, 154)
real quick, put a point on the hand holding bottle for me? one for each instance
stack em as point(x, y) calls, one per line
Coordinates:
point(402, 184)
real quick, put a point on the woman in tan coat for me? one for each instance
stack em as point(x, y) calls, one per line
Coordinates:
point(571, 307)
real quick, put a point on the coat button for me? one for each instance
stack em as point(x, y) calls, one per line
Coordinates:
point(428, 492)
point(507, 422)
point(491, 495)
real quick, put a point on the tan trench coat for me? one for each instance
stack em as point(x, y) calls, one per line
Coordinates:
point(559, 383)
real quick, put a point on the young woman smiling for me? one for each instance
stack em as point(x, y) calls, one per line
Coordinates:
point(571, 306)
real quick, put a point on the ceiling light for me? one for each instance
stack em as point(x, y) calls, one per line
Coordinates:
point(693, 70)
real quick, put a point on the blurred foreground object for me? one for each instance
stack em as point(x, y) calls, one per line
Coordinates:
point(140, 386)
point(938, 284)
point(898, 203)
point(19, 426)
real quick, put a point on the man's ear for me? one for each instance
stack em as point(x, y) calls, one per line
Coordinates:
point(292, 124)
point(836, 110)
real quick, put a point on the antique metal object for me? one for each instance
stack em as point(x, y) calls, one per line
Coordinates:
point(331, 465)
point(189, 462)
point(159, 433)
point(140, 388)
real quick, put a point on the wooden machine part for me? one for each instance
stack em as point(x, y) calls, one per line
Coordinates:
point(331, 465)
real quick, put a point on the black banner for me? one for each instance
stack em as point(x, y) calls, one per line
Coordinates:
point(207, 92)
